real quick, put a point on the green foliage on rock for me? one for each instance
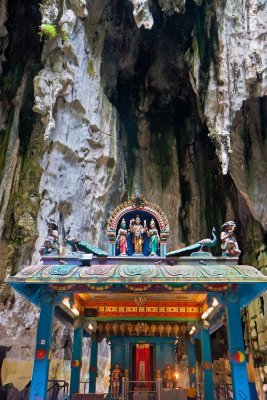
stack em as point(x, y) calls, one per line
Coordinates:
point(49, 31)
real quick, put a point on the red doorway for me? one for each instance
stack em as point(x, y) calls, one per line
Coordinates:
point(142, 365)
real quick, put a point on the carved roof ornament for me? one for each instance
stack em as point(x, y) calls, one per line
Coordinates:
point(130, 235)
point(138, 203)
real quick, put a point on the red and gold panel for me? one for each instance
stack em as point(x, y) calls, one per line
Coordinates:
point(149, 310)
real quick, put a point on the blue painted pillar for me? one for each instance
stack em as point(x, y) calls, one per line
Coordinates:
point(192, 361)
point(42, 353)
point(112, 248)
point(93, 366)
point(238, 359)
point(163, 249)
point(76, 361)
point(207, 364)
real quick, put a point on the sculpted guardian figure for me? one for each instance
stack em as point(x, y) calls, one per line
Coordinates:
point(229, 244)
point(153, 235)
point(137, 230)
point(121, 239)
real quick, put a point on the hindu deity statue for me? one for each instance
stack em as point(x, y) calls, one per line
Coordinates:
point(51, 244)
point(169, 376)
point(153, 235)
point(121, 239)
point(229, 244)
point(137, 230)
point(115, 380)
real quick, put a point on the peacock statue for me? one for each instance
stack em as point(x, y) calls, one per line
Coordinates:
point(83, 247)
point(201, 245)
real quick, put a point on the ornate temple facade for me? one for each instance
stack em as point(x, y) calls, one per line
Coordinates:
point(145, 301)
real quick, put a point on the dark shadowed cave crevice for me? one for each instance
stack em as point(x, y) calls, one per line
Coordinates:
point(22, 55)
point(147, 79)
point(23, 52)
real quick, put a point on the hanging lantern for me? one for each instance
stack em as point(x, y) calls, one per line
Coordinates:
point(108, 328)
point(153, 329)
point(183, 329)
point(115, 328)
point(146, 329)
point(137, 329)
point(130, 328)
point(160, 329)
point(122, 328)
point(168, 329)
point(100, 327)
point(175, 329)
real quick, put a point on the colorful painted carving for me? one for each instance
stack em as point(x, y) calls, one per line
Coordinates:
point(203, 245)
point(40, 354)
point(146, 210)
point(137, 230)
point(84, 247)
point(239, 357)
point(121, 239)
point(206, 365)
point(229, 244)
point(208, 243)
point(51, 244)
point(153, 235)
point(115, 273)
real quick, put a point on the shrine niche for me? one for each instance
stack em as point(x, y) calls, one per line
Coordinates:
point(137, 228)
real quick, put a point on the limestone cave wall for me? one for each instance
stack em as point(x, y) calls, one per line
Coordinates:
point(103, 100)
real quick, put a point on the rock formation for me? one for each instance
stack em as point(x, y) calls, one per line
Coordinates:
point(102, 100)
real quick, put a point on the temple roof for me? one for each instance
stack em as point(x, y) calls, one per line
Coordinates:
point(143, 269)
point(129, 273)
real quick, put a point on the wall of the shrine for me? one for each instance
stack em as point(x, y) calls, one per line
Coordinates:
point(122, 354)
